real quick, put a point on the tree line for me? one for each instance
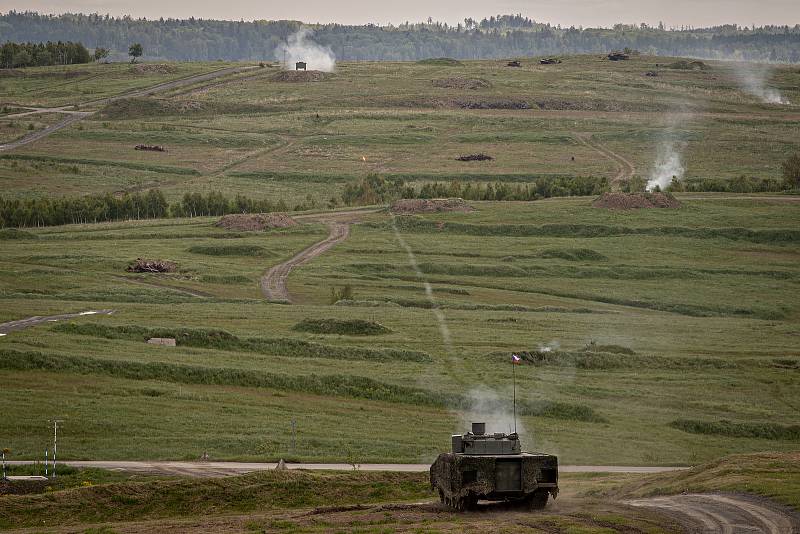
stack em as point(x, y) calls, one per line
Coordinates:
point(18, 55)
point(499, 36)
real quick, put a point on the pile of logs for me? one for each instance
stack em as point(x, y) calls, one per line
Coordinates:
point(514, 63)
point(618, 56)
point(550, 61)
point(154, 148)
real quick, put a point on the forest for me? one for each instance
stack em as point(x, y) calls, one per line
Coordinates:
point(491, 38)
point(16, 55)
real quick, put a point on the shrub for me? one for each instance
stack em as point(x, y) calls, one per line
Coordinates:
point(350, 327)
point(772, 431)
point(791, 172)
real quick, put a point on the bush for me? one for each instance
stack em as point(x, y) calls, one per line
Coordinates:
point(771, 431)
point(230, 250)
point(791, 172)
point(351, 327)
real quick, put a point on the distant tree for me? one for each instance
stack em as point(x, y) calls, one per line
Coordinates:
point(791, 171)
point(100, 53)
point(135, 51)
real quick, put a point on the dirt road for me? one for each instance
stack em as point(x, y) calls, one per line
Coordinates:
point(727, 513)
point(626, 169)
point(21, 324)
point(219, 469)
point(273, 283)
point(75, 116)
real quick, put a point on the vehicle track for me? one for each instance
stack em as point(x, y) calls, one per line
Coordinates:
point(75, 116)
point(626, 169)
point(273, 283)
point(726, 514)
point(21, 324)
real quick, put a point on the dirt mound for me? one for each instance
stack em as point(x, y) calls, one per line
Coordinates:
point(255, 221)
point(475, 157)
point(142, 265)
point(628, 201)
point(154, 68)
point(433, 205)
point(461, 83)
point(493, 104)
point(688, 65)
point(299, 76)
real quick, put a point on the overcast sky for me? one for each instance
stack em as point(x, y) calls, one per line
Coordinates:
point(564, 12)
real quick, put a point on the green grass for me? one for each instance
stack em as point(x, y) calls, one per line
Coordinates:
point(739, 430)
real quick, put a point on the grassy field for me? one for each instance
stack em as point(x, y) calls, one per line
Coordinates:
point(254, 134)
point(657, 316)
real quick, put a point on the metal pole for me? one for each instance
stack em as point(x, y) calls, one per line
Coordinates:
point(514, 380)
point(46, 454)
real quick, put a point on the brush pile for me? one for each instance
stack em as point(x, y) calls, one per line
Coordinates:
point(461, 83)
point(154, 68)
point(493, 104)
point(475, 157)
point(255, 222)
point(299, 76)
point(628, 201)
point(151, 148)
point(142, 265)
point(433, 205)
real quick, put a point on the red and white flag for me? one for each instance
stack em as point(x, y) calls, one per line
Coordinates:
point(515, 359)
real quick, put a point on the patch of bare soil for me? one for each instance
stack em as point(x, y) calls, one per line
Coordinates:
point(433, 205)
point(299, 76)
point(153, 68)
point(628, 201)
point(461, 83)
point(142, 265)
point(255, 221)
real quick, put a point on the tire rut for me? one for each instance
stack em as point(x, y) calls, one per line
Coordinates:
point(626, 169)
point(727, 514)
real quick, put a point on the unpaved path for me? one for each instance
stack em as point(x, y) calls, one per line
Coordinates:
point(75, 116)
point(273, 283)
point(21, 324)
point(726, 514)
point(626, 169)
point(218, 469)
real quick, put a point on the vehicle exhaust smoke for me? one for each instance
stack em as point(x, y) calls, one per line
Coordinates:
point(754, 80)
point(485, 405)
point(301, 47)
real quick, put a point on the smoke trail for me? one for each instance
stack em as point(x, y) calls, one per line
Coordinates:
point(753, 78)
point(300, 47)
point(412, 260)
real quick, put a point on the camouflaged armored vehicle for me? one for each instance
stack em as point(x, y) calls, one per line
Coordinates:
point(493, 467)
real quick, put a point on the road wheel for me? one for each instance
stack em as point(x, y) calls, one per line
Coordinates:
point(538, 499)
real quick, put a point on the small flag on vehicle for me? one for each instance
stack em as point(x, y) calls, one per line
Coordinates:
point(515, 358)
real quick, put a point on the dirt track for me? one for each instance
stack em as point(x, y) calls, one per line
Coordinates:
point(626, 169)
point(21, 324)
point(75, 116)
point(727, 514)
point(273, 283)
point(220, 469)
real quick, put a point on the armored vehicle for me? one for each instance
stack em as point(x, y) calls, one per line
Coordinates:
point(493, 467)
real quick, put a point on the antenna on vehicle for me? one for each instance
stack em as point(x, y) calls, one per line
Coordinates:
point(514, 362)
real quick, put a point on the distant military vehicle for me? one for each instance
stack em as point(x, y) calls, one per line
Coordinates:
point(493, 467)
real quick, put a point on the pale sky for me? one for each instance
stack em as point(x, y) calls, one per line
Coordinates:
point(565, 12)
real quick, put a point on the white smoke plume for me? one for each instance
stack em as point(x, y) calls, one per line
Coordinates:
point(753, 78)
point(486, 406)
point(550, 347)
point(668, 166)
point(301, 47)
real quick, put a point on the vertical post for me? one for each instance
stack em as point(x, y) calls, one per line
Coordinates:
point(55, 445)
point(514, 380)
point(46, 454)
point(4, 463)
